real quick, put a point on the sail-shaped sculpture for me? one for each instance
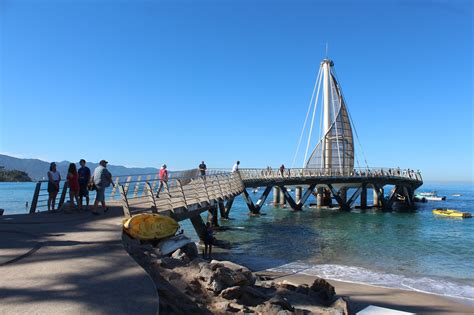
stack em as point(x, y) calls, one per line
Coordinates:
point(335, 149)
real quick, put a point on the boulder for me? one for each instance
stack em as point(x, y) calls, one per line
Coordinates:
point(323, 290)
point(341, 305)
point(245, 295)
point(281, 301)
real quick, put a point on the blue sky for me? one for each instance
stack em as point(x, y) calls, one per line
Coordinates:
point(145, 82)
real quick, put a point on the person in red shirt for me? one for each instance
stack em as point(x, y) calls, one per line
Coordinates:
point(73, 181)
point(163, 179)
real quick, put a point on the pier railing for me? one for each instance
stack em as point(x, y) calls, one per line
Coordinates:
point(178, 196)
point(248, 174)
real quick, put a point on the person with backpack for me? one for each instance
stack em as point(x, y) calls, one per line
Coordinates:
point(102, 179)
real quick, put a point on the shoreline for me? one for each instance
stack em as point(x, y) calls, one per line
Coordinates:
point(363, 295)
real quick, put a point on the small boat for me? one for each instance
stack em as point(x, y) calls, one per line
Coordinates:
point(456, 195)
point(451, 213)
point(255, 190)
point(433, 196)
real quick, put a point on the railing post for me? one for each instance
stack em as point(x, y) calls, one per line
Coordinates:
point(137, 186)
point(114, 189)
point(123, 195)
point(178, 183)
point(151, 197)
point(127, 184)
point(63, 195)
point(34, 202)
point(147, 187)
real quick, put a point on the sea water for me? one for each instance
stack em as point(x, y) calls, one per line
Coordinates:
point(415, 251)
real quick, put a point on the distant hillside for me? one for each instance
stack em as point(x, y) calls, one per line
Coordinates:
point(37, 169)
point(13, 176)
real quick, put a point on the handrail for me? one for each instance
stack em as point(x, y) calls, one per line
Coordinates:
point(199, 192)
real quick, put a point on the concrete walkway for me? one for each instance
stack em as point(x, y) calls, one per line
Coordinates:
point(70, 263)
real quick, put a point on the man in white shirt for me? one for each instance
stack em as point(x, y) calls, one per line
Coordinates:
point(235, 168)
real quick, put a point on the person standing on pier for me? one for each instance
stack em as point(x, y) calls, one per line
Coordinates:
point(73, 182)
point(282, 170)
point(235, 168)
point(163, 179)
point(84, 178)
point(102, 179)
point(53, 185)
point(202, 168)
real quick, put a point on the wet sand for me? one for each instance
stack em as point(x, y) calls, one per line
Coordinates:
point(361, 296)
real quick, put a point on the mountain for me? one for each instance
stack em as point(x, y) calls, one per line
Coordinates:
point(37, 169)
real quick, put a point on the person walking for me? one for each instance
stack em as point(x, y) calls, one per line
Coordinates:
point(73, 182)
point(202, 168)
point(84, 174)
point(163, 179)
point(53, 185)
point(102, 179)
point(235, 168)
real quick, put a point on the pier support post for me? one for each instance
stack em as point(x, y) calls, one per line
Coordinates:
point(343, 194)
point(212, 216)
point(249, 202)
point(199, 226)
point(290, 200)
point(363, 197)
point(227, 208)
point(276, 195)
point(282, 198)
point(261, 200)
point(298, 191)
point(337, 196)
point(319, 196)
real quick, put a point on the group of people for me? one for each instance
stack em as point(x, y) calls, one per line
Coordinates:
point(80, 182)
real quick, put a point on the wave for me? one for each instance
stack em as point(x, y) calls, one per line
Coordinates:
point(364, 276)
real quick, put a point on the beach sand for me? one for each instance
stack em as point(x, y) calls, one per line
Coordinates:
point(361, 296)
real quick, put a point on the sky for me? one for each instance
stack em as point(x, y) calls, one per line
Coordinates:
point(141, 83)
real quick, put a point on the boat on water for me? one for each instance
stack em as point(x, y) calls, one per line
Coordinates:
point(451, 213)
point(432, 195)
point(456, 195)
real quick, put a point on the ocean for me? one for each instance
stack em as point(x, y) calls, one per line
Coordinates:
point(414, 251)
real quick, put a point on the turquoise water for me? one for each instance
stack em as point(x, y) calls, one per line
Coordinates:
point(415, 251)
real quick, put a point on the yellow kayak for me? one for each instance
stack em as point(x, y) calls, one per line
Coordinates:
point(452, 213)
point(150, 226)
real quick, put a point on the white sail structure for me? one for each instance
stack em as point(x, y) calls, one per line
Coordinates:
point(335, 149)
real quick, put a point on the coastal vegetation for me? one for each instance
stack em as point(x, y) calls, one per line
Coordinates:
point(13, 176)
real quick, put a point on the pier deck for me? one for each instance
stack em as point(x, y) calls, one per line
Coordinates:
point(70, 264)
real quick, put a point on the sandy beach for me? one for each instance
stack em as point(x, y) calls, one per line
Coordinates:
point(360, 296)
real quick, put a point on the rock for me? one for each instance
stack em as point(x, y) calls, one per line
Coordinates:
point(268, 308)
point(245, 276)
point(281, 301)
point(245, 295)
point(190, 250)
point(221, 279)
point(287, 285)
point(341, 305)
point(323, 290)
point(302, 289)
point(170, 263)
point(180, 255)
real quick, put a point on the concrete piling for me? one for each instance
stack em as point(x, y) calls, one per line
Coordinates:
point(363, 197)
point(276, 195)
point(319, 196)
point(282, 198)
point(298, 191)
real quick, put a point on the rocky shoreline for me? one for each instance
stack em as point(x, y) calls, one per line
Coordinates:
point(187, 284)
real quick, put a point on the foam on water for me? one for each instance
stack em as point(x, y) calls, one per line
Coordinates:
point(364, 276)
